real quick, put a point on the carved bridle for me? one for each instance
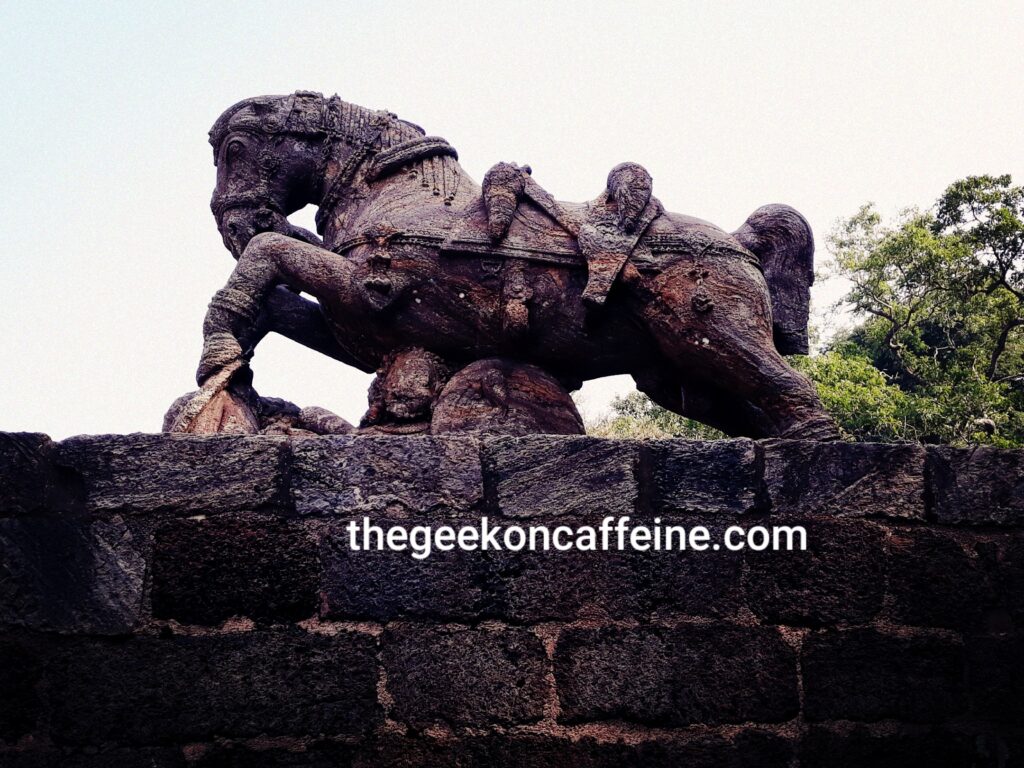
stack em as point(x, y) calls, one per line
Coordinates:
point(308, 114)
point(302, 114)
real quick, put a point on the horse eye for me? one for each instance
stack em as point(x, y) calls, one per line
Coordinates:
point(235, 148)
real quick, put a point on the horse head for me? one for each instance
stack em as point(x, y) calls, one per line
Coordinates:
point(269, 153)
point(276, 154)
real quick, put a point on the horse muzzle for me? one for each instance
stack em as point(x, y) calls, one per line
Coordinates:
point(238, 226)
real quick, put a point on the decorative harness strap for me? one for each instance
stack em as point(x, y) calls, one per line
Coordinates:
point(382, 163)
point(363, 149)
point(390, 160)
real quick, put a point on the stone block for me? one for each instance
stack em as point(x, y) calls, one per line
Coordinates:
point(464, 676)
point(178, 474)
point(859, 747)
point(386, 476)
point(147, 690)
point(41, 756)
point(321, 754)
point(547, 476)
point(693, 583)
point(1009, 578)
point(867, 675)
point(840, 577)
point(845, 479)
point(564, 586)
point(701, 477)
point(69, 575)
point(20, 671)
point(29, 480)
point(531, 750)
point(385, 585)
point(978, 486)
point(996, 677)
point(935, 582)
point(712, 673)
point(207, 570)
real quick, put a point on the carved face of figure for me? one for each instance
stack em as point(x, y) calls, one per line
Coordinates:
point(412, 383)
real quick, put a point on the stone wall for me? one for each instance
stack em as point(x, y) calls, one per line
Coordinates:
point(171, 601)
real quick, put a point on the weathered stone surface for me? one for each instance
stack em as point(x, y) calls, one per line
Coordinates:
point(858, 747)
point(177, 474)
point(564, 586)
point(597, 476)
point(657, 640)
point(935, 582)
point(707, 583)
point(20, 670)
point(29, 480)
point(867, 675)
point(385, 585)
point(317, 755)
point(996, 677)
point(676, 676)
point(207, 570)
point(462, 676)
point(840, 577)
point(854, 479)
point(40, 756)
point(68, 575)
point(185, 688)
point(399, 475)
point(1009, 579)
point(746, 748)
point(703, 477)
point(980, 485)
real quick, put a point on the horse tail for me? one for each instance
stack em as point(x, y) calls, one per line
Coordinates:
point(782, 239)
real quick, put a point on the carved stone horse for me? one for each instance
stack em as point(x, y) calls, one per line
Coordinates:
point(418, 262)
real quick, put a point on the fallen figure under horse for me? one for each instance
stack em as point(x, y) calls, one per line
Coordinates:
point(481, 306)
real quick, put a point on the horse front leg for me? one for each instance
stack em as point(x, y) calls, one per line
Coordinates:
point(231, 327)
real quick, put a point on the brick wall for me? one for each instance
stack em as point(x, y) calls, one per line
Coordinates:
point(172, 601)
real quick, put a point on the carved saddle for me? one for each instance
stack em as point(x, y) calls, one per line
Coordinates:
point(605, 230)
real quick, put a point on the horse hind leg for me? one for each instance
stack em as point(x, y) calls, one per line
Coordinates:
point(727, 347)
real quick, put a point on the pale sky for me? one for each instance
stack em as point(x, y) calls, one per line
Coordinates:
point(110, 254)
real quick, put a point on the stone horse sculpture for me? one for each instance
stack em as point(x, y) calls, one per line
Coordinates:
point(480, 307)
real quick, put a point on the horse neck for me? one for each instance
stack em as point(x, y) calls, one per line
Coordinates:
point(347, 194)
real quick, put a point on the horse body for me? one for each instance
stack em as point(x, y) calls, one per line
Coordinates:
point(407, 261)
point(393, 292)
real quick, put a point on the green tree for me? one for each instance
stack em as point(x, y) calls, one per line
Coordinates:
point(940, 295)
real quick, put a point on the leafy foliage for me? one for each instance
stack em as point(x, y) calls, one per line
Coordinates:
point(941, 297)
point(636, 416)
